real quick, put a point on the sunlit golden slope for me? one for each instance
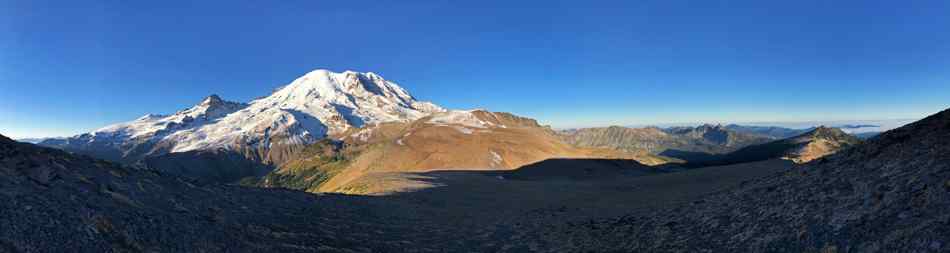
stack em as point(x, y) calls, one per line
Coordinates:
point(369, 160)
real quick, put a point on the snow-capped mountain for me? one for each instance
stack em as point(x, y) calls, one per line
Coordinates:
point(310, 108)
point(153, 126)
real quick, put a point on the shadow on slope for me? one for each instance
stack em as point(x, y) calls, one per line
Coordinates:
point(691, 157)
point(212, 166)
point(492, 199)
point(581, 169)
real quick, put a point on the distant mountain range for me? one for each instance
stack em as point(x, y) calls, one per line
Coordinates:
point(32, 140)
point(713, 139)
point(849, 126)
point(772, 132)
point(709, 145)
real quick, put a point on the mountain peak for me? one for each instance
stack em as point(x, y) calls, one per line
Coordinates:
point(348, 99)
point(830, 133)
point(333, 87)
point(316, 104)
point(212, 99)
point(150, 116)
point(212, 107)
point(819, 142)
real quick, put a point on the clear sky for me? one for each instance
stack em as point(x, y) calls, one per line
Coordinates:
point(73, 66)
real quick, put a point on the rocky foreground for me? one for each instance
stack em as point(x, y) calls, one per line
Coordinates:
point(54, 201)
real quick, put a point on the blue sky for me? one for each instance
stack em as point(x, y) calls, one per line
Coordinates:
point(68, 67)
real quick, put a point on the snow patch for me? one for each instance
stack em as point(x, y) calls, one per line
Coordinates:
point(495, 158)
point(363, 135)
point(457, 117)
point(463, 130)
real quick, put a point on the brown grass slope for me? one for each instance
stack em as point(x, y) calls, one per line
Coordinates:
point(818, 143)
point(373, 154)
